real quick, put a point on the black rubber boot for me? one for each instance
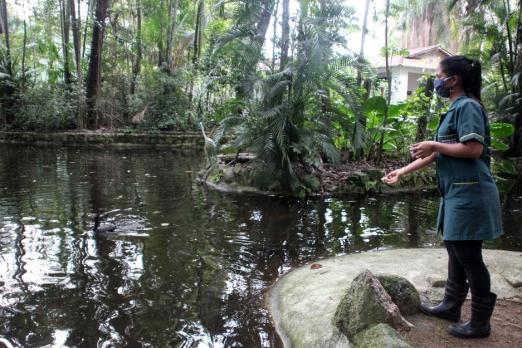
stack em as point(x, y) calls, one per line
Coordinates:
point(478, 326)
point(449, 308)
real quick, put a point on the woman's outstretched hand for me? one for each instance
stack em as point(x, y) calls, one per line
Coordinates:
point(422, 149)
point(393, 177)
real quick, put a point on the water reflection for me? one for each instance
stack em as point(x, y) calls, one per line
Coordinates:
point(184, 266)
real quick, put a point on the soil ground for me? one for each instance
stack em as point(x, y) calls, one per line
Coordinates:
point(332, 175)
point(506, 329)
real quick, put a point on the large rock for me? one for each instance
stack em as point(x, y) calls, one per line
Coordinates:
point(402, 292)
point(380, 336)
point(303, 301)
point(364, 304)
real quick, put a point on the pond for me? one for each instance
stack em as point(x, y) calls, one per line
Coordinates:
point(185, 266)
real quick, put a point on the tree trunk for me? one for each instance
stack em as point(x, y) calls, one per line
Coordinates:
point(198, 32)
point(274, 35)
point(261, 14)
point(2, 20)
point(173, 16)
point(137, 62)
point(76, 39)
point(64, 21)
point(161, 57)
point(388, 79)
point(285, 34)
point(24, 48)
point(94, 74)
point(364, 31)
point(360, 125)
point(7, 91)
point(511, 65)
point(264, 21)
point(77, 45)
point(4, 29)
point(196, 44)
point(89, 14)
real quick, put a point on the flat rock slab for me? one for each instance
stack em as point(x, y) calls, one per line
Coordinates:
point(303, 301)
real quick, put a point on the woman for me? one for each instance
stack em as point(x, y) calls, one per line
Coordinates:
point(469, 212)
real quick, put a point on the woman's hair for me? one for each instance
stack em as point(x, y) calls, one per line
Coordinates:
point(469, 70)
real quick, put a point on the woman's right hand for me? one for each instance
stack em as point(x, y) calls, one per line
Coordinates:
point(393, 177)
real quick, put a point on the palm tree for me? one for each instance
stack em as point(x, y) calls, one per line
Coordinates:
point(286, 120)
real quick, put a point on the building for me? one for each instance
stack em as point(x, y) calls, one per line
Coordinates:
point(406, 71)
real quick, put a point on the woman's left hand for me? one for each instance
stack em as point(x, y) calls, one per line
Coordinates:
point(422, 149)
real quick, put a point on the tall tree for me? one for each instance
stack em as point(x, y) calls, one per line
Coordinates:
point(264, 21)
point(65, 26)
point(160, 40)
point(360, 123)
point(516, 82)
point(4, 29)
point(274, 35)
point(95, 60)
point(285, 34)
point(199, 30)
point(364, 31)
point(7, 90)
point(24, 47)
point(75, 19)
point(136, 67)
point(173, 16)
point(388, 80)
point(428, 22)
point(90, 6)
point(77, 46)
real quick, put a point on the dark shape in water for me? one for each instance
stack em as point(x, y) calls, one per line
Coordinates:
point(101, 228)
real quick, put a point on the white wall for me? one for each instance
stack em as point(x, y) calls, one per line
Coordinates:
point(400, 81)
point(399, 84)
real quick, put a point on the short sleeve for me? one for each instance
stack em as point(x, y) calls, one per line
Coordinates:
point(471, 123)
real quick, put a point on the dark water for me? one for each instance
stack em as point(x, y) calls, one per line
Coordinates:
point(185, 267)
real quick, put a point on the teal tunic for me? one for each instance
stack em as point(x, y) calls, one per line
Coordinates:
point(470, 204)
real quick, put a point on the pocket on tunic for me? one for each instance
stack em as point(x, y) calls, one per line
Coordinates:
point(466, 193)
point(465, 183)
point(465, 180)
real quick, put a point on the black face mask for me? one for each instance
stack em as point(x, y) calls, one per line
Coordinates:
point(440, 89)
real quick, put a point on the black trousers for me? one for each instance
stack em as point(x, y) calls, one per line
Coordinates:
point(465, 263)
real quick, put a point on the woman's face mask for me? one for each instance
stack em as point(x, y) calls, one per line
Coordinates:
point(442, 91)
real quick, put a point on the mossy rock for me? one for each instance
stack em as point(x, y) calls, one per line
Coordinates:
point(366, 303)
point(402, 292)
point(380, 336)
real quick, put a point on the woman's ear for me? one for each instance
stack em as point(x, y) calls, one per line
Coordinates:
point(455, 81)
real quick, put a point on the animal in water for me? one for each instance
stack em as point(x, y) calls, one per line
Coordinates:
point(101, 228)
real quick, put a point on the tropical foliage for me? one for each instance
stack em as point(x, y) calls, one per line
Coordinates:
point(277, 78)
